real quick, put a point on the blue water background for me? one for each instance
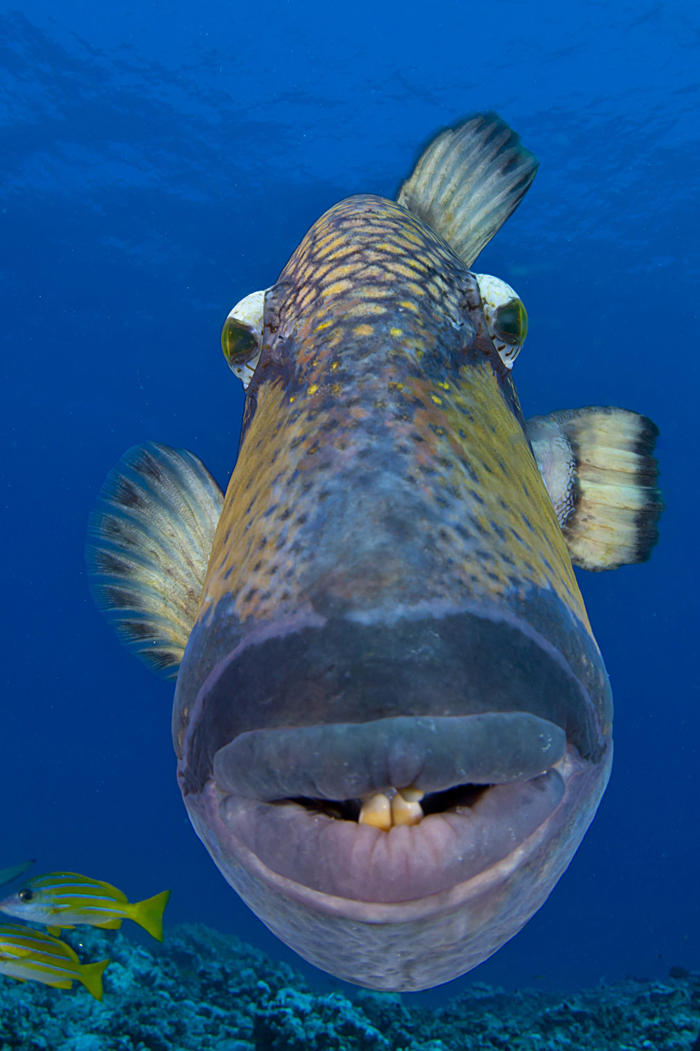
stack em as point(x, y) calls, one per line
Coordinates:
point(159, 163)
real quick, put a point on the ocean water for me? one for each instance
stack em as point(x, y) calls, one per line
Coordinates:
point(160, 162)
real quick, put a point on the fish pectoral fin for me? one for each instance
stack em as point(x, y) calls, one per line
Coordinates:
point(52, 929)
point(149, 540)
point(468, 181)
point(601, 476)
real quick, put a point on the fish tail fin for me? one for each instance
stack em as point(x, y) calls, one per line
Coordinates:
point(468, 181)
point(90, 974)
point(148, 546)
point(600, 473)
point(149, 913)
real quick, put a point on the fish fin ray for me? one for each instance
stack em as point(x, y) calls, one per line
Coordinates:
point(12, 872)
point(468, 181)
point(90, 974)
point(149, 913)
point(149, 540)
point(601, 476)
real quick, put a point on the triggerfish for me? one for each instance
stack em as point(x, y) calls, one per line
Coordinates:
point(66, 899)
point(30, 955)
point(392, 721)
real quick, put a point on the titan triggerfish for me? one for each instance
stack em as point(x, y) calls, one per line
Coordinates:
point(392, 721)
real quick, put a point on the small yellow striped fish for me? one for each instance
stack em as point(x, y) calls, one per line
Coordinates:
point(64, 899)
point(33, 956)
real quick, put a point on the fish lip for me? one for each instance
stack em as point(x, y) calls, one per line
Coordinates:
point(341, 761)
point(228, 825)
point(242, 690)
point(377, 669)
point(513, 763)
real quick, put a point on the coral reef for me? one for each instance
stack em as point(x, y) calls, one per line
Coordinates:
point(203, 991)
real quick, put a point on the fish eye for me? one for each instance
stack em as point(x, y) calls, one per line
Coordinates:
point(238, 342)
point(510, 321)
point(25, 894)
point(505, 316)
point(241, 336)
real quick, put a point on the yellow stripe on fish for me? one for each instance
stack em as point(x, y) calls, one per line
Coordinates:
point(29, 955)
point(62, 900)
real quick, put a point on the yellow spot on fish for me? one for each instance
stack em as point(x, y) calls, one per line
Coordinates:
point(396, 332)
point(292, 398)
point(408, 304)
point(335, 365)
point(324, 324)
point(336, 288)
point(443, 385)
point(313, 388)
point(363, 330)
point(403, 270)
point(434, 397)
point(392, 249)
point(345, 270)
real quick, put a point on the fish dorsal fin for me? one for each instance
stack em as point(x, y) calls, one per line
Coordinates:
point(149, 540)
point(468, 181)
point(12, 872)
point(601, 476)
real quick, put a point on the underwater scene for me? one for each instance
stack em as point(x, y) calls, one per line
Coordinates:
point(350, 454)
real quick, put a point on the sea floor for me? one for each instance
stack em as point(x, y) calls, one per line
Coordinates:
point(202, 990)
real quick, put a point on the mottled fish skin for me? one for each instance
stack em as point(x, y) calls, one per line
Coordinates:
point(386, 548)
point(382, 438)
point(379, 401)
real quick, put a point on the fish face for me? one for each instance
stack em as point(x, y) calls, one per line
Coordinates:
point(392, 721)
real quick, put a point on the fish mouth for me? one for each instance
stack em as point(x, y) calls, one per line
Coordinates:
point(480, 805)
point(414, 906)
point(394, 809)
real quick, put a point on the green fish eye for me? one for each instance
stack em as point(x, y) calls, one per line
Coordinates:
point(238, 342)
point(510, 322)
point(25, 894)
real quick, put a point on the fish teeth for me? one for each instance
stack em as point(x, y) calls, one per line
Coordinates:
point(396, 806)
